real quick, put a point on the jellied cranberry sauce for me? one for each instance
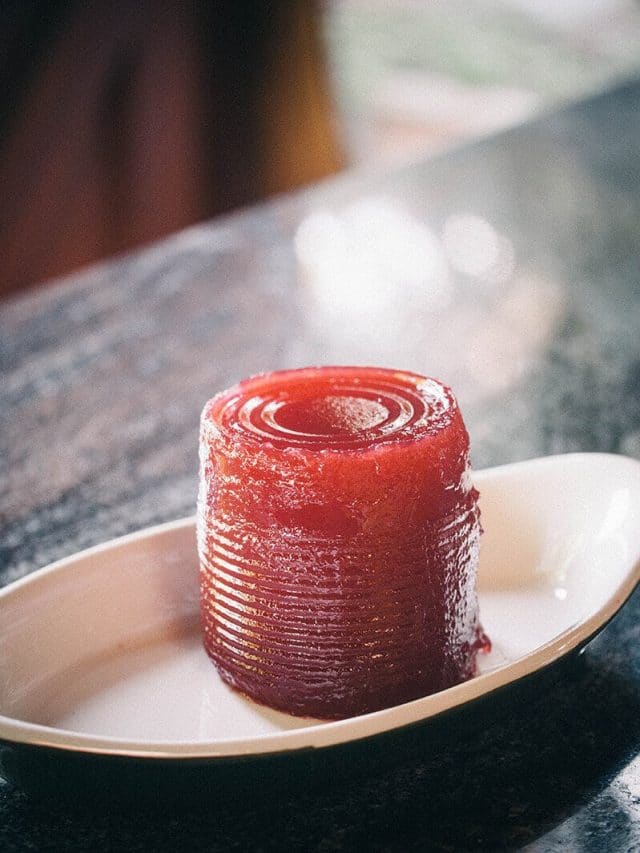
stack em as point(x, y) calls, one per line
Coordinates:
point(338, 536)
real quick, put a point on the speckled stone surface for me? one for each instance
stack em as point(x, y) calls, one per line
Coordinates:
point(511, 270)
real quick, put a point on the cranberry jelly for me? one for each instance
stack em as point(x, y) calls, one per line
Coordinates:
point(338, 537)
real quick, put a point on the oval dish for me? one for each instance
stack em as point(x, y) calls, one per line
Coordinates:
point(100, 653)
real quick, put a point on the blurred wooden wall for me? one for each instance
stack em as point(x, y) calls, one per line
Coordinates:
point(121, 122)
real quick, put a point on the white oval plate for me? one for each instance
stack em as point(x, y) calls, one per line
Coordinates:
point(100, 652)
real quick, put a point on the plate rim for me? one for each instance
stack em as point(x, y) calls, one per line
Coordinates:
point(330, 733)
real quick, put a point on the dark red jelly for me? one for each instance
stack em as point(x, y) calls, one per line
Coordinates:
point(338, 536)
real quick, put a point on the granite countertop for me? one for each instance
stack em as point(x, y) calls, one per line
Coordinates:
point(509, 268)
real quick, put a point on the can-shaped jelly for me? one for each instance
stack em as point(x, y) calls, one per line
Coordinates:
point(338, 536)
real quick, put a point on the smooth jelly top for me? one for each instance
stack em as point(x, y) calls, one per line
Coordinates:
point(332, 408)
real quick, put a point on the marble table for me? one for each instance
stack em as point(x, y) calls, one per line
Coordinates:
point(509, 268)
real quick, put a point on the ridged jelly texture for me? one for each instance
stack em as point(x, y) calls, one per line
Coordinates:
point(338, 534)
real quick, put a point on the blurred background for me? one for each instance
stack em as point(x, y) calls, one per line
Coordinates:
point(121, 122)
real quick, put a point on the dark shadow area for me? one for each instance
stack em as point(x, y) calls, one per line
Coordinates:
point(123, 122)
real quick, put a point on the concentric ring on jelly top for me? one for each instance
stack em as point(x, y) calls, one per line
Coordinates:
point(333, 408)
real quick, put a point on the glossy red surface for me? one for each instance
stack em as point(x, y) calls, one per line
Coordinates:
point(338, 534)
